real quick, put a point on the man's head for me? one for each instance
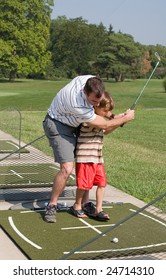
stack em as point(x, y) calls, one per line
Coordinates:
point(94, 90)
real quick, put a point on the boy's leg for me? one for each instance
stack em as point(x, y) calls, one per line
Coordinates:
point(79, 198)
point(99, 201)
point(76, 209)
point(85, 198)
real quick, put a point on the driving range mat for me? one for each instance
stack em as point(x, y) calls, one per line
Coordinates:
point(142, 233)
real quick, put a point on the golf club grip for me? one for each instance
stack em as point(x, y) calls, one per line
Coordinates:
point(132, 108)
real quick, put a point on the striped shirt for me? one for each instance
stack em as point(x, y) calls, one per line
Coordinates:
point(89, 145)
point(70, 105)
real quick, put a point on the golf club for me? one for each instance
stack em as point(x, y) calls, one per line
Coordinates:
point(134, 104)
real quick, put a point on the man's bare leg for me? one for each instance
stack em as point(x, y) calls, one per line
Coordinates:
point(60, 181)
point(58, 187)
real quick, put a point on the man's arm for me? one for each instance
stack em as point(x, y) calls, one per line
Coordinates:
point(107, 125)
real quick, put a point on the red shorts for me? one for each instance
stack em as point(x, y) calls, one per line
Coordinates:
point(90, 174)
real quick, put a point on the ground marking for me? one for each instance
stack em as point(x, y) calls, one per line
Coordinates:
point(17, 174)
point(53, 167)
point(96, 226)
point(117, 250)
point(31, 211)
point(12, 144)
point(90, 226)
point(150, 217)
point(21, 235)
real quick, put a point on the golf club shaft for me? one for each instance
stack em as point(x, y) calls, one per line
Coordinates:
point(134, 104)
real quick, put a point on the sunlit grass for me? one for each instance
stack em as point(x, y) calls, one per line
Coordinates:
point(135, 155)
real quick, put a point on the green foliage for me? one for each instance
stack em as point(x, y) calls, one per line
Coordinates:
point(119, 57)
point(32, 47)
point(24, 37)
point(79, 48)
point(74, 44)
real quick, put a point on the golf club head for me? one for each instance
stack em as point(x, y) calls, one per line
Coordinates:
point(157, 55)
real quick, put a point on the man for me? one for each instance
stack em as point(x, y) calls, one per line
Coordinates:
point(73, 105)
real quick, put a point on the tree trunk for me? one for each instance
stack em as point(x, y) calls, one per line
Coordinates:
point(12, 76)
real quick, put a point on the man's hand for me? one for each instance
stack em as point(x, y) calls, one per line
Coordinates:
point(128, 116)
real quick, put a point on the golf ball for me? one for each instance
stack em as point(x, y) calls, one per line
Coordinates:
point(115, 240)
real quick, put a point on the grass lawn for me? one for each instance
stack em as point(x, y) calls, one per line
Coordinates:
point(135, 157)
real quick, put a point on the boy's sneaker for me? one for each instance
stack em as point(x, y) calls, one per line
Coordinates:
point(50, 214)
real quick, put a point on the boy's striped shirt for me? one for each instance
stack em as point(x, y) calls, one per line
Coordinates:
point(89, 145)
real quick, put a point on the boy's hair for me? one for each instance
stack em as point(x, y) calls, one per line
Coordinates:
point(107, 100)
point(95, 85)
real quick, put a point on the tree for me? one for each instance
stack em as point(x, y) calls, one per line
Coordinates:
point(24, 36)
point(161, 69)
point(120, 54)
point(74, 45)
point(145, 65)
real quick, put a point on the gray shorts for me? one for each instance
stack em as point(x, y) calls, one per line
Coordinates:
point(62, 139)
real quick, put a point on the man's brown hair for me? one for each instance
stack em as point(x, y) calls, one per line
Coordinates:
point(95, 85)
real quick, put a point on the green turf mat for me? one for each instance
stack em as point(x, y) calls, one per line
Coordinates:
point(29, 175)
point(8, 146)
point(141, 234)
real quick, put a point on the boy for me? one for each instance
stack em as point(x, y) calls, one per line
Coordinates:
point(90, 164)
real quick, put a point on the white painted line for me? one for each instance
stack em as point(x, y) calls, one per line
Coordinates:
point(6, 174)
point(156, 220)
point(72, 177)
point(12, 144)
point(32, 211)
point(35, 184)
point(90, 226)
point(117, 250)
point(17, 174)
point(21, 235)
point(97, 226)
point(30, 173)
point(53, 167)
